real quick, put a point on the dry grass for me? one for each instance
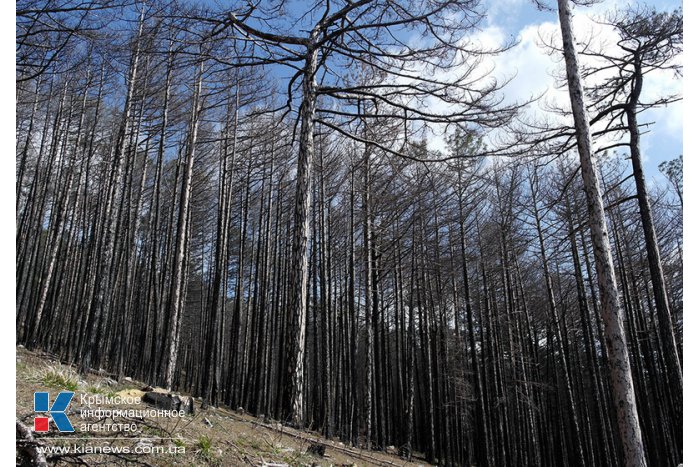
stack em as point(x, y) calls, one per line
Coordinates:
point(56, 376)
point(232, 439)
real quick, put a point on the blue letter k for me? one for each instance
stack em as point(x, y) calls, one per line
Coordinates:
point(58, 409)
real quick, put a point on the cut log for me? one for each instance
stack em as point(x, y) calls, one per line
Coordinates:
point(169, 402)
point(317, 449)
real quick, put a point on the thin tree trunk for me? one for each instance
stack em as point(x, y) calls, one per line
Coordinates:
point(663, 311)
point(178, 291)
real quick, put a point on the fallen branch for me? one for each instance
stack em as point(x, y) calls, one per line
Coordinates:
point(29, 445)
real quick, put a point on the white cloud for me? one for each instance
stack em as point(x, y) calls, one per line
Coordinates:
point(533, 70)
point(536, 70)
point(669, 119)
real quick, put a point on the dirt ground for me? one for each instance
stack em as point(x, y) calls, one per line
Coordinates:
point(215, 436)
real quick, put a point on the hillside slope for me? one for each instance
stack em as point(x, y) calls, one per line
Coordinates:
point(215, 436)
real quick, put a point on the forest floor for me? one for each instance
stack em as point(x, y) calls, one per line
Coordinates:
point(215, 436)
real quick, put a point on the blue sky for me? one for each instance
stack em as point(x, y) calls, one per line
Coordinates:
point(533, 69)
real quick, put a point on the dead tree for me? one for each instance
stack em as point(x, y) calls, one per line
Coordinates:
point(354, 36)
point(649, 43)
point(620, 371)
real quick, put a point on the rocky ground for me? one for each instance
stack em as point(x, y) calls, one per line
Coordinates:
point(215, 436)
